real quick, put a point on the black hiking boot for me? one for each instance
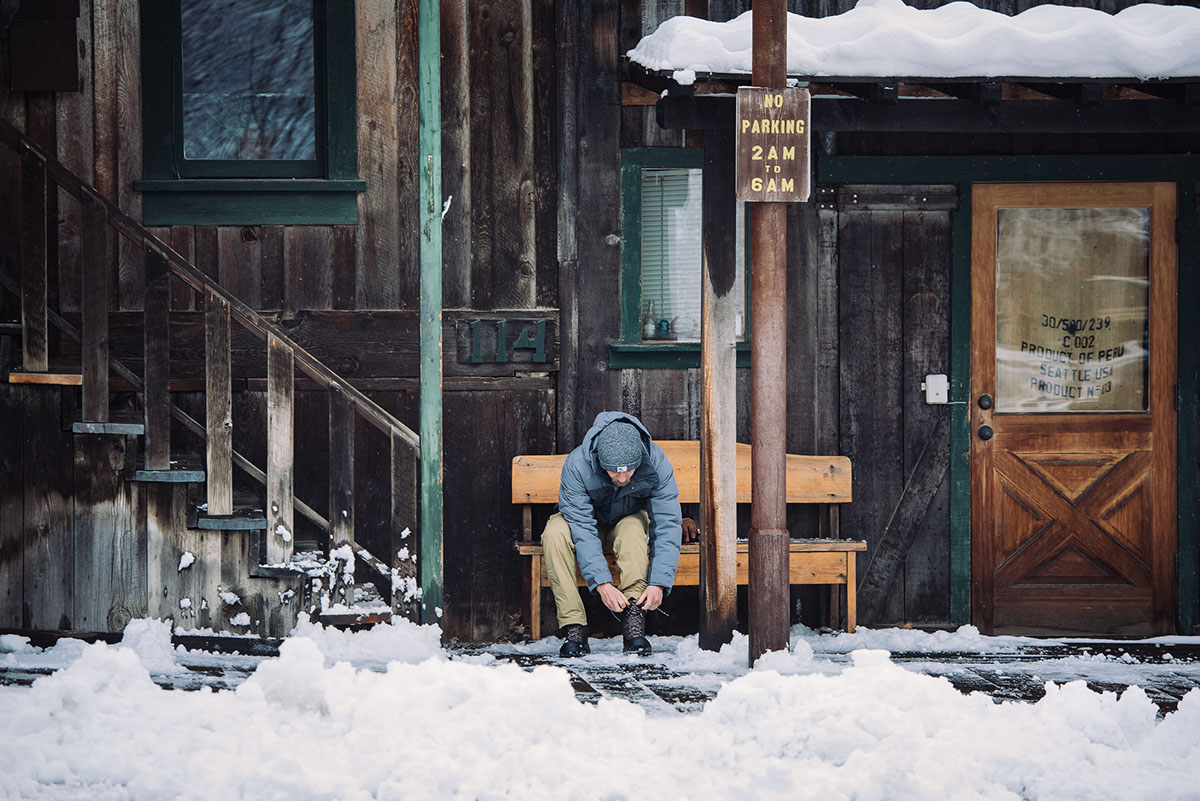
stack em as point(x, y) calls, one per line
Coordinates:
point(633, 627)
point(576, 642)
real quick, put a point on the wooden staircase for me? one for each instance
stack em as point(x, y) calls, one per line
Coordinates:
point(189, 511)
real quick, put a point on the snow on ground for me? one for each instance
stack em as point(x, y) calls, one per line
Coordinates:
point(886, 38)
point(389, 714)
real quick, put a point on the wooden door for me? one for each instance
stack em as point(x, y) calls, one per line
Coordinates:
point(1073, 369)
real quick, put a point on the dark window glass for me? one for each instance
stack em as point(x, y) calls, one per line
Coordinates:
point(248, 79)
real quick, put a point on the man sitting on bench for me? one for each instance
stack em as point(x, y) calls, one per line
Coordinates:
point(617, 493)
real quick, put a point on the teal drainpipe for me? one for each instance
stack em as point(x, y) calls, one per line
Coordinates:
point(429, 79)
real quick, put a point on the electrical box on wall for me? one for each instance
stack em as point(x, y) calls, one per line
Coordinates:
point(43, 52)
point(937, 389)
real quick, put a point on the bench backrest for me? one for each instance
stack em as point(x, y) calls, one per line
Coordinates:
point(810, 479)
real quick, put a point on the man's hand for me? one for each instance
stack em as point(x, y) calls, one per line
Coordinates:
point(690, 532)
point(651, 597)
point(612, 597)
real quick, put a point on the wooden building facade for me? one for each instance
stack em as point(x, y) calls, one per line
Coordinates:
point(544, 126)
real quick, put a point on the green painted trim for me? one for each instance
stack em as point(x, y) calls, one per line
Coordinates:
point(250, 208)
point(965, 169)
point(632, 162)
point(680, 355)
point(960, 425)
point(429, 79)
point(341, 91)
point(157, 89)
point(1188, 404)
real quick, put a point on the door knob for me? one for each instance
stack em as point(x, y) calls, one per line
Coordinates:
point(986, 433)
point(985, 401)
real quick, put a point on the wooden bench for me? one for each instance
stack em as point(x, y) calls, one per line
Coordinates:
point(810, 479)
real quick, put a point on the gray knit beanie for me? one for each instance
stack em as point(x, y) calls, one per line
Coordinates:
point(619, 447)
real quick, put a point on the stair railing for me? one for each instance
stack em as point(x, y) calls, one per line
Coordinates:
point(40, 170)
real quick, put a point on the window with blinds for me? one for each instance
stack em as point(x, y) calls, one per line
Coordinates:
point(671, 265)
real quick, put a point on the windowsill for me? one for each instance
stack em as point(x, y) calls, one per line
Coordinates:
point(664, 355)
point(250, 201)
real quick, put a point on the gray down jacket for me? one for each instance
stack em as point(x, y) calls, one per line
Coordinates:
point(587, 497)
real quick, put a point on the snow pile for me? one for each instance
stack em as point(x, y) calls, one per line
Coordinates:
point(964, 640)
point(150, 640)
point(401, 641)
point(886, 38)
point(309, 725)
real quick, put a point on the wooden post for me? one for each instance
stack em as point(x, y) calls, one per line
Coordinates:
point(718, 422)
point(404, 550)
point(34, 325)
point(768, 569)
point(280, 498)
point(218, 405)
point(430, 206)
point(341, 492)
point(156, 397)
point(94, 335)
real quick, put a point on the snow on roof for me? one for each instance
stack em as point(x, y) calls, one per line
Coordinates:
point(885, 38)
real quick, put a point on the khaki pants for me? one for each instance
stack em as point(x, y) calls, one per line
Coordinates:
point(628, 540)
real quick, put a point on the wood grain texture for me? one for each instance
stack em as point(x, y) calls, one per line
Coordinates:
point(156, 373)
point(810, 479)
point(94, 226)
point(281, 527)
point(597, 232)
point(544, 162)
point(218, 406)
point(456, 154)
point(308, 255)
point(12, 509)
point(503, 273)
point(240, 263)
point(378, 244)
point(927, 257)
point(271, 239)
point(74, 122)
point(870, 324)
point(110, 552)
point(48, 568)
point(566, 64)
point(127, 76)
point(341, 469)
point(35, 341)
point(720, 308)
point(481, 590)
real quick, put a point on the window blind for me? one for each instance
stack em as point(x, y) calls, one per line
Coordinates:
point(671, 267)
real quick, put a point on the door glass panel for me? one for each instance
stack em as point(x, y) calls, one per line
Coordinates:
point(1072, 313)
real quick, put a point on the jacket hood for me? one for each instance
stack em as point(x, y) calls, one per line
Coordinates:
point(604, 419)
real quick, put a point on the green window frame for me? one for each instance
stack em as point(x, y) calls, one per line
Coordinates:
point(632, 351)
point(319, 191)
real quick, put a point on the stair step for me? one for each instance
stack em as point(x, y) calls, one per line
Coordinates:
point(94, 427)
point(276, 571)
point(240, 520)
point(49, 379)
point(172, 476)
point(356, 618)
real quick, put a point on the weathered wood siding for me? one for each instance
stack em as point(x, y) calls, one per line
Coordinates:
point(348, 292)
point(535, 116)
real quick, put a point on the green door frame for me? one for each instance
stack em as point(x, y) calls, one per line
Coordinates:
point(966, 170)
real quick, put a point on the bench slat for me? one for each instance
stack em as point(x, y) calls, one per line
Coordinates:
point(810, 563)
point(810, 479)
